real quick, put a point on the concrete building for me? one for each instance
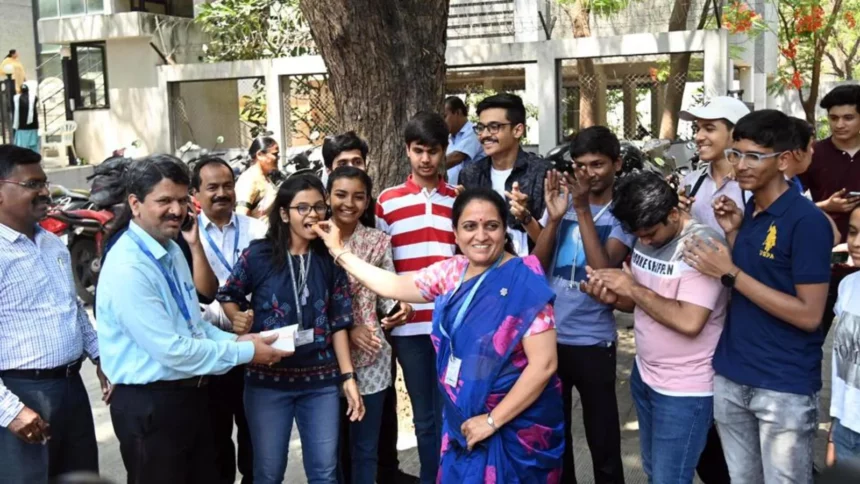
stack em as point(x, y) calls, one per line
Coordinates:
point(18, 32)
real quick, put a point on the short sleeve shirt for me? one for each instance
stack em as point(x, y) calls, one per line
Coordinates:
point(845, 395)
point(785, 245)
point(466, 142)
point(832, 170)
point(703, 208)
point(671, 363)
point(581, 320)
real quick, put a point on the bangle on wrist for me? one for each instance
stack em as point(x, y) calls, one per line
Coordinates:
point(339, 255)
point(345, 377)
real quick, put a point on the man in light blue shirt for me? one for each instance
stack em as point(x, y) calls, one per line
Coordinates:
point(587, 235)
point(155, 347)
point(463, 144)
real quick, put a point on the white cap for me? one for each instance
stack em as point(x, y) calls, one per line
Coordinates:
point(722, 107)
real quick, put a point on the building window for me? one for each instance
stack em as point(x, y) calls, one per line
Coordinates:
point(63, 8)
point(89, 83)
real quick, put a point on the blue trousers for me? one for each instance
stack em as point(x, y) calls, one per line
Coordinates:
point(672, 431)
point(64, 404)
point(270, 414)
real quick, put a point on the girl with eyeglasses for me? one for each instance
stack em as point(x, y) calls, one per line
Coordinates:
point(293, 281)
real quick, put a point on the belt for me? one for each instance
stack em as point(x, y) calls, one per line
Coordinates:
point(193, 382)
point(64, 371)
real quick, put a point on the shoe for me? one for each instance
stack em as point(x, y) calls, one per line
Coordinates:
point(397, 477)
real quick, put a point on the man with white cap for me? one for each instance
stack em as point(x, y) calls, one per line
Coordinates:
point(714, 124)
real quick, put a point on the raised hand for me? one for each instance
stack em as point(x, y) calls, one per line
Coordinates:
point(708, 257)
point(330, 235)
point(685, 202)
point(518, 202)
point(728, 215)
point(580, 186)
point(556, 195)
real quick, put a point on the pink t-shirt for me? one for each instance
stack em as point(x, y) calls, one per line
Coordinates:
point(668, 361)
point(443, 276)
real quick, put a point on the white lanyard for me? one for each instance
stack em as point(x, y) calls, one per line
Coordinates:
point(577, 240)
point(302, 284)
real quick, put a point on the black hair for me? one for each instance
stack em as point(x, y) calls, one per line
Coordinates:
point(847, 95)
point(11, 53)
point(141, 177)
point(368, 218)
point(483, 194)
point(513, 105)
point(456, 105)
point(279, 231)
point(767, 128)
point(12, 156)
point(642, 200)
point(335, 145)
point(260, 143)
point(803, 133)
point(208, 160)
point(428, 129)
point(596, 140)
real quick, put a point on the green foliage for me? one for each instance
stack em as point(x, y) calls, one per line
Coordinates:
point(254, 29)
point(254, 112)
point(602, 8)
point(473, 97)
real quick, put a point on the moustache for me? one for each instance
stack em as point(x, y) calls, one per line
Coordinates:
point(489, 138)
point(172, 218)
point(222, 200)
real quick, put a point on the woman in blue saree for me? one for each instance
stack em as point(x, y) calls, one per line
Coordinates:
point(494, 332)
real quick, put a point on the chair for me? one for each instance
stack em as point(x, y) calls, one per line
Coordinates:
point(67, 139)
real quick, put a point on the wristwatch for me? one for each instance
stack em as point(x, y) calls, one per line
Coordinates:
point(348, 376)
point(491, 422)
point(728, 280)
point(527, 219)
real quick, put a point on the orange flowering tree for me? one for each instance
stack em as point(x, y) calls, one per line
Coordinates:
point(808, 31)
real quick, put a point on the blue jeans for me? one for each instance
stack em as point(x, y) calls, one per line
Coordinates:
point(364, 439)
point(270, 414)
point(672, 431)
point(846, 441)
point(64, 404)
point(417, 358)
point(767, 436)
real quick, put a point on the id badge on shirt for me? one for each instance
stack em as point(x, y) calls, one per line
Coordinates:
point(304, 337)
point(452, 375)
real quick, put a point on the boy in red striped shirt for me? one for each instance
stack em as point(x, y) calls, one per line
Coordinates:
point(417, 216)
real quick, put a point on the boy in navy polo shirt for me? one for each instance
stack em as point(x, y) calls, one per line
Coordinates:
point(768, 360)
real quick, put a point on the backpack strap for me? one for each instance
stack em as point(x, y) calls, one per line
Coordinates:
point(699, 182)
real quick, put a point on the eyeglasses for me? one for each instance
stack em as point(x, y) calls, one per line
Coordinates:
point(36, 185)
point(305, 208)
point(751, 159)
point(492, 127)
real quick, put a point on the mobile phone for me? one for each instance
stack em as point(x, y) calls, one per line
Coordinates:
point(564, 166)
point(188, 222)
point(687, 189)
point(394, 310)
point(854, 194)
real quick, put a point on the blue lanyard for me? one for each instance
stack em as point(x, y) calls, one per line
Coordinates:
point(171, 281)
point(468, 302)
point(215, 248)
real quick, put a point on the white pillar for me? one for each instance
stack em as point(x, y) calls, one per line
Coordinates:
point(549, 73)
point(717, 68)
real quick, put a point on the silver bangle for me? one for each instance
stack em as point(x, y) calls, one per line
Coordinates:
point(342, 253)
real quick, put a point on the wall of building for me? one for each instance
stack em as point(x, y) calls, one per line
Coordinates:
point(17, 32)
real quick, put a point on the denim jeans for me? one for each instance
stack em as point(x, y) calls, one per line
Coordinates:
point(270, 413)
point(767, 436)
point(846, 441)
point(418, 360)
point(64, 404)
point(364, 439)
point(672, 431)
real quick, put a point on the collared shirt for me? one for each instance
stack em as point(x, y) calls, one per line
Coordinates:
point(466, 142)
point(784, 245)
point(42, 323)
point(143, 335)
point(419, 223)
point(224, 238)
point(832, 170)
point(703, 208)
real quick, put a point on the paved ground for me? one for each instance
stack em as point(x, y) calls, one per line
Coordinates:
point(111, 464)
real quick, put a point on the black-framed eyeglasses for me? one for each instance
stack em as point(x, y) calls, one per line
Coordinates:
point(493, 127)
point(305, 208)
point(752, 159)
point(36, 185)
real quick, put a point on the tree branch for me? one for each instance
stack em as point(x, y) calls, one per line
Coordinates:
point(839, 72)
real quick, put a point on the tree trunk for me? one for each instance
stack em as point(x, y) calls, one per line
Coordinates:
point(386, 61)
point(679, 65)
point(822, 37)
point(589, 84)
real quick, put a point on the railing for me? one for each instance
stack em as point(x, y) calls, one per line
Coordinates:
point(53, 113)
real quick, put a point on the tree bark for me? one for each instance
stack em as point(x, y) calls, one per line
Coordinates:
point(589, 84)
point(679, 65)
point(386, 61)
point(821, 39)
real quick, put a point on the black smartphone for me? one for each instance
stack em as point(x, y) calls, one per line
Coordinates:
point(564, 166)
point(394, 310)
point(188, 222)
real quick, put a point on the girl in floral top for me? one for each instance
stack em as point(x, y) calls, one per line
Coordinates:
point(293, 280)
point(349, 196)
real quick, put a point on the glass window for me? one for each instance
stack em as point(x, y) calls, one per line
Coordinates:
point(72, 7)
point(91, 88)
point(95, 6)
point(48, 8)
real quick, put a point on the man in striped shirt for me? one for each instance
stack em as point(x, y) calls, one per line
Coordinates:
point(417, 216)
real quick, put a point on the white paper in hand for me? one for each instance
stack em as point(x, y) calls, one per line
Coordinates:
point(286, 337)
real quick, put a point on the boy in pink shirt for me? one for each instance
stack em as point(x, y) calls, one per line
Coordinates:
point(678, 314)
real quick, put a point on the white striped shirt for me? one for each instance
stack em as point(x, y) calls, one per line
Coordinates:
point(42, 323)
point(419, 223)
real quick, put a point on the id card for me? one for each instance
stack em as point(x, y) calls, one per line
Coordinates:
point(304, 337)
point(452, 375)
